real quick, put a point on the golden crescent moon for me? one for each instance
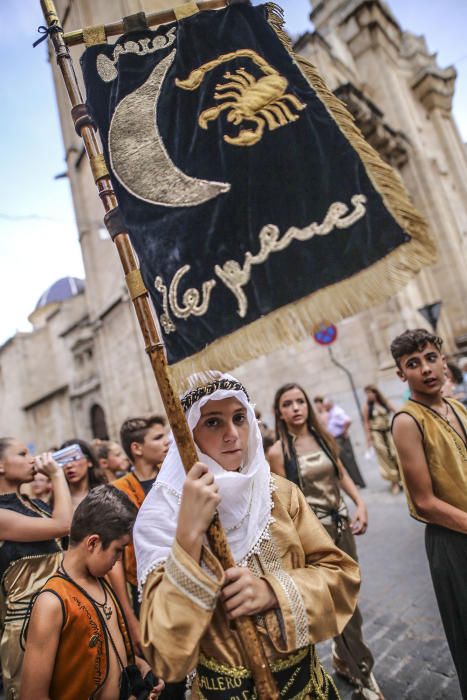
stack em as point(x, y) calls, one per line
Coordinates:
point(138, 157)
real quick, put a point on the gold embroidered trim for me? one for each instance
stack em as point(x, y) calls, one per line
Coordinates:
point(263, 101)
point(164, 319)
point(135, 284)
point(235, 276)
point(191, 297)
point(94, 35)
point(297, 607)
point(218, 667)
point(138, 157)
point(107, 65)
point(320, 681)
point(198, 392)
point(185, 10)
point(190, 300)
point(189, 585)
point(271, 563)
point(98, 167)
point(318, 686)
point(242, 672)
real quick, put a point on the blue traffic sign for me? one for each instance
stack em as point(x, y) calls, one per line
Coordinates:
point(325, 333)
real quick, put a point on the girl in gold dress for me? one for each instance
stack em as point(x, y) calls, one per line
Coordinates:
point(300, 588)
point(30, 550)
point(309, 456)
point(377, 419)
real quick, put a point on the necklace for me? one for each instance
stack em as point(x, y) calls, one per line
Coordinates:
point(445, 415)
point(106, 609)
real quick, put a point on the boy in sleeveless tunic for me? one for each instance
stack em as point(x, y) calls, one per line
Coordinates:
point(145, 443)
point(78, 645)
point(430, 433)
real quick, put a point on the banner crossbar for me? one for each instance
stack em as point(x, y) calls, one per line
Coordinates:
point(153, 19)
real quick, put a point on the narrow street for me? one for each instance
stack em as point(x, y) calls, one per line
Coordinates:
point(401, 620)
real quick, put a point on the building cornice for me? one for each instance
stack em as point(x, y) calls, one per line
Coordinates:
point(83, 321)
point(392, 145)
point(80, 390)
point(368, 26)
point(45, 397)
point(434, 87)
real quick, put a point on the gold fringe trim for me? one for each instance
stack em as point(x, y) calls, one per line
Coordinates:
point(293, 323)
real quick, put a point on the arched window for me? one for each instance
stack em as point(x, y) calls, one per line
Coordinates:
point(98, 423)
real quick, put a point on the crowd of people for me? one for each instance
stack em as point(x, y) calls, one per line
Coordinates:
point(110, 591)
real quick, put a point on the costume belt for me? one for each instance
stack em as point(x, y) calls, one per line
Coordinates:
point(333, 516)
point(296, 676)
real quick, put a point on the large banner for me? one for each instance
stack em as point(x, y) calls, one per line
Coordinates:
point(254, 205)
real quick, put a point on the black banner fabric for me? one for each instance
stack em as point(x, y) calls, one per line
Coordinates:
point(242, 195)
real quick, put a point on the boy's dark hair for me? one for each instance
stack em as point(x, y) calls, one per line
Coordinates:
point(135, 429)
point(101, 448)
point(105, 511)
point(413, 341)
point(456, 372)
point(268, 442)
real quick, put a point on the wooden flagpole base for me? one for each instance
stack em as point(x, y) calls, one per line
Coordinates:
point(264, 681)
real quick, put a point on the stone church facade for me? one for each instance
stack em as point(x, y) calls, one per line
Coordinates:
point(83, 369)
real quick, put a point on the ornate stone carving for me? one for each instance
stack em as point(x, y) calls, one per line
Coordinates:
point(392, 145)
point(433, 86)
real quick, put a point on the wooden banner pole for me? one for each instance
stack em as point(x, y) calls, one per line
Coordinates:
point(264, 681)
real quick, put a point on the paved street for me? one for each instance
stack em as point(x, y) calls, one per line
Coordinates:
point(401, 620)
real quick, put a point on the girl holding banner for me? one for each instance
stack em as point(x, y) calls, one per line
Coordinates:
point(301, 588)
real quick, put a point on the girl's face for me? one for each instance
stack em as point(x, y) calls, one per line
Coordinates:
point(17, 464)
point(370, 394)
point(117, 460)
point(41, 486)
point(222, 432)
point(293, 408)
point(77, 471)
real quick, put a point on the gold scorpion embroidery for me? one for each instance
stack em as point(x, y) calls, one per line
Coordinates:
point(263, 101)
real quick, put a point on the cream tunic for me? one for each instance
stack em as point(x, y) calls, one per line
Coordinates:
point(315, 583)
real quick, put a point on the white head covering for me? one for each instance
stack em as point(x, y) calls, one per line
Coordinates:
point(246, 502)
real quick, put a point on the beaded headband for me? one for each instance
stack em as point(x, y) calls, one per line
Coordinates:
point(196, 394)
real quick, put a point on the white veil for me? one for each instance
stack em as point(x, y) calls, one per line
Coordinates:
point(246, 502)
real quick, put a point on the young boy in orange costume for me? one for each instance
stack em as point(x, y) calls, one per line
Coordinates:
point(78, 645)
point(145, 443)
